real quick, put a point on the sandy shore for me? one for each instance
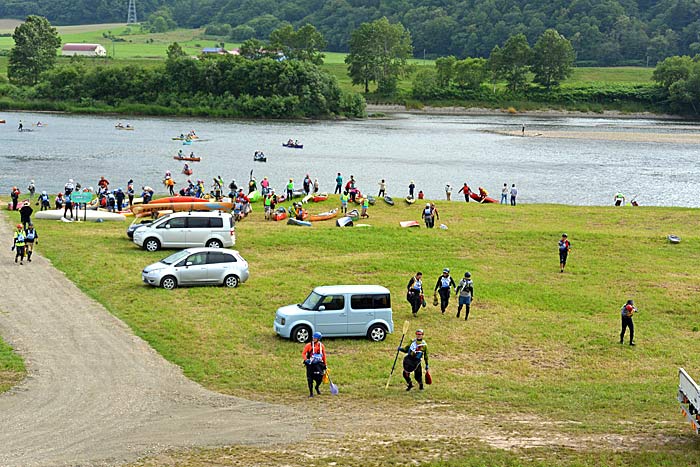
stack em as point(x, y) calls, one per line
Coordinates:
point(453, 110)
point(638, 137)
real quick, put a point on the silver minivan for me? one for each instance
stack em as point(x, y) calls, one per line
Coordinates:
point(338, 310)
point(215, 229)
point(197, 266)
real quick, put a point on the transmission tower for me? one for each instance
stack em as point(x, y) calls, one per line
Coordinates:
point(131, 17)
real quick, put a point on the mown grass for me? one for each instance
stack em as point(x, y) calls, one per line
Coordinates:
point(11, 367)
point(537, 341)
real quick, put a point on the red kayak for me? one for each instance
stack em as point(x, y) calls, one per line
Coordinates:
point(476, 197)
point(319, 198)
point(179, 199)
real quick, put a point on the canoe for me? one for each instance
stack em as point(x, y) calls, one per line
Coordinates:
point(2, 121)
point(123, 127)
point(254, 196)
point(409, 224)
point(388, 200)
point(344, 222)
point(185, 138)
point(410, 199)
point(292, 221)
point(141, 209)
point(319, 198)
point(190, 159)
point(178, 199)
point(372, 200)
point(293, 146)
point(279, 214)
point(674, 238)
point(259, 159)
point(354, 214)
point(57, 214)
point(324, 216)
point(19, 204)
point(476, 197)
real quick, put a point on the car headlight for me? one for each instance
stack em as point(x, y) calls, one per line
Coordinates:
point(283, 321)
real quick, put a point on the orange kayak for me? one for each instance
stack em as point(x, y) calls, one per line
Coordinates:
point(324, 216)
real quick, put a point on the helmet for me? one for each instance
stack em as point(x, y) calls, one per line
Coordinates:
point(19, 226)
point(31, 224)
point(447, 270)
point(317, 335)
point(419, 331)
point(629, 307)
point(43, 192)
point(427, 205)
point(564, 235)
point(70, 180)
point(467, 274)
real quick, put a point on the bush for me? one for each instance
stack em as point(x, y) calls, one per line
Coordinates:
point(242, 33)
point(218, 29)
point(353, 104)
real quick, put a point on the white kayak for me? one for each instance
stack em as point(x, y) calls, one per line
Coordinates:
point(57, 214)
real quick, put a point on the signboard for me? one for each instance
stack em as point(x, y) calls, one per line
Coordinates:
point(81, 197)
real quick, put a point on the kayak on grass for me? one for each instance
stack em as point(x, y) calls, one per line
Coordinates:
point(279, 214)
point(410, 199)
point(142, 209)
point(324, 216)
point(320, 197)
point(409, 224)
point(388, 200)
point(486, 199)
point(292, 221)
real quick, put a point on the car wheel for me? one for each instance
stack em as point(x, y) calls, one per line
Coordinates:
point(377, 333)
point(215, 244)
point(168, 282)
point(301, 334)
point(151, 244)
point(232, 281)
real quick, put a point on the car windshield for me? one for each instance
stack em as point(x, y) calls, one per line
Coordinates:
point(175, 257)
point(311, 301)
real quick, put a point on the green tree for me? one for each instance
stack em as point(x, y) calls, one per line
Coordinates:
point(34, 51)
point(552, 59)
point(253, 49)
point(445, 67)
point(175, 51)
point(511, 63)
point(379, 52)
point(672, 69)
point(306, 44)
point(471, 72)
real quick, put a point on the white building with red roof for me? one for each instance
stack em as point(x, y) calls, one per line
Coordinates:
point(85, 50)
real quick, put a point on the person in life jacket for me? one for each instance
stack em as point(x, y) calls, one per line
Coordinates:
point(619, 199)
point(465, 292)
point(30, 237)
point(25, 214)
point(19, 243)
point(344, 202)
point(414, 293)
point(365, 206)
point(444, 286)
point(427, 215)
point(482, 193)
point(44, 201)
point(628, 309)
point(564, 248)
point(314, 355)
point(14, 195)
point(416, 352)
point(290, 189)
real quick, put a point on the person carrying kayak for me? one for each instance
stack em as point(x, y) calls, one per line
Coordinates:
point(466, 190)
point(482, 194)
point(416, 352)
point(314, 355)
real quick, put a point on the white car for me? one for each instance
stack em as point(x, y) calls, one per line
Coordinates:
point(215, 229)
point(197, 266)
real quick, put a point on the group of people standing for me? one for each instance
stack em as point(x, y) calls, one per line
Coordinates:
point(444, 287)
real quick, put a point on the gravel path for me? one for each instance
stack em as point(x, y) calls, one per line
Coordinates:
point(95, 394)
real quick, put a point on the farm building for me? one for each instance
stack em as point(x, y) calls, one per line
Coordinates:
point(85, 50)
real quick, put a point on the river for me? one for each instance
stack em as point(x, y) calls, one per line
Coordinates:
point(431, 150)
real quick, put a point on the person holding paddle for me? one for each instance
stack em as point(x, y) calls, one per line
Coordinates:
point(416, 352)
point(314, 355)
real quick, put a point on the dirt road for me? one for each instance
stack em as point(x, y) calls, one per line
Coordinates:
point(96, 394)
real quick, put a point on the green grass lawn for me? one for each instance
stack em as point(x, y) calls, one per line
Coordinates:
point(537, 342)
point(11, 367)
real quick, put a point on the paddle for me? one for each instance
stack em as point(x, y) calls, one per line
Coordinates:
point(334, 388)
point(405, 330)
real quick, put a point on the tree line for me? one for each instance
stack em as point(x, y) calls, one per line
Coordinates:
point(602, 32)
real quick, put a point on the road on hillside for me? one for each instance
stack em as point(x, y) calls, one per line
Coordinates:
point(95, 394)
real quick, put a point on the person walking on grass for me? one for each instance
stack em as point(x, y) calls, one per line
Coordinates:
point(18, 243)
point(414, 293)
point(504, 194)
point(628, 309)
point(513, 194)
point(444, 286)
point(314, 355)
point(465, 292)
point(564, 249)
point(30, 237)
point(416, 352)
point(427, 215)
point(25, 214)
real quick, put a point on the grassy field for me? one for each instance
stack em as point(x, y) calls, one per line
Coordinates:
point(11, 367)
point(538, 344)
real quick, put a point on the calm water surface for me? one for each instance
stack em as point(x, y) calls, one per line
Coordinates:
point(431, 150)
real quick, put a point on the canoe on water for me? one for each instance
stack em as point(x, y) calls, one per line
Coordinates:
point(388, 200)
point(293, 146)
point(188, 158)
point(187, 172)
point(292, 221)
point(476, 197)
point(324, 216)
point(123, 127)
point(57, 214)
point(145, 209)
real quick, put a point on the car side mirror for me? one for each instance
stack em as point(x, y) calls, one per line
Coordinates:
point(322, 308)
point(189, 263)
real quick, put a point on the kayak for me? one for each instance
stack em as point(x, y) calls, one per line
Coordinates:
point(142, 209)
point(19, 204)
point(179, 199)
point(254, 196)
point(292, 221)
point(371, 200)
point(259, 159)
point(123, 127)
point(476, 197)
point(57, 214)
point(293, 146)
point(324, 216)
point(185, 138)
point(344, 222)
point(410, 199)
point(186, 142)
point(388, 200)
point(409, 224)
point(188, 158)
point(319, 198)
point(279, 214)
point(674, 238)
point(354, 214)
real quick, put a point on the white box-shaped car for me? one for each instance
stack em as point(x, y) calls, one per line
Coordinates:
point(215, 229)
point(338, 310)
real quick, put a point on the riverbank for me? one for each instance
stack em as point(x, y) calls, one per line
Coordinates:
point(480, 111)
